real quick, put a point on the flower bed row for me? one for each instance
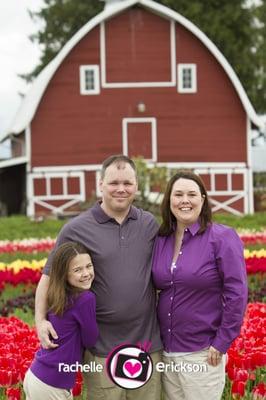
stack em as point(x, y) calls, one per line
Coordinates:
point(246, 356)
point(31, 245)
point(23, 271)
point(255, 261)
point(34, 245)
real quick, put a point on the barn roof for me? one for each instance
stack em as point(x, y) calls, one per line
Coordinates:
point(31, 101)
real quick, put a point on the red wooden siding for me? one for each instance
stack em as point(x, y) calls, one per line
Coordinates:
point(146, 51)
point(71, 129)
point(39, 187)
point(139, 140)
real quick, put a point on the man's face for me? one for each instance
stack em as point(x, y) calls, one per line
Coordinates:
point(118, 188)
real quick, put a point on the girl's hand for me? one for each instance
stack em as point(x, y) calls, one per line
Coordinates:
point(214, 356)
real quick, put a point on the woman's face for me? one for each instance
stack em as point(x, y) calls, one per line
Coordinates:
point(186, 201)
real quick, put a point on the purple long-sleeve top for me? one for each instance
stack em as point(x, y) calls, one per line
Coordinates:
point(76, 330)
point(203, 298)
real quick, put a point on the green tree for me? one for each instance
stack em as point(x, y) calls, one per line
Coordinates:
point(258, 89)
point(237, 30)
point(61, 19)
point(231, 25)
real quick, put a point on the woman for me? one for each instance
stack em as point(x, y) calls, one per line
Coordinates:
point(200, 270)
point(71, 307)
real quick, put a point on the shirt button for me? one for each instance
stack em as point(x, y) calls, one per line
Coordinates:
point(172, 282)
point(180, 252)
point(171, 298)
point(186, 230)
point(169, 330)
point(122, 237)
point(169, 314)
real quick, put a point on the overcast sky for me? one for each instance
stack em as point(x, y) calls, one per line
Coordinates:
point(18, 54)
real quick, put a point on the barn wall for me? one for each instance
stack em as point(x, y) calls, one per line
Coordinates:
point(71, 129)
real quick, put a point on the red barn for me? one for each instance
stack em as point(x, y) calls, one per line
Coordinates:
point(138, 79)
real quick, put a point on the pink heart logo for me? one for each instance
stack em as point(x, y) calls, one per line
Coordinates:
point(132, 368)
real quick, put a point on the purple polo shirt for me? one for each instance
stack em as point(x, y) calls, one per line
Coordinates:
point(203, 300)
point(121, 255)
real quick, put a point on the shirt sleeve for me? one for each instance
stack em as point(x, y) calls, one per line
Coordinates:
point(86, 317)
point(231, 264)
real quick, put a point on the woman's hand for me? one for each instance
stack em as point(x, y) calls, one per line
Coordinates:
point(214, 356)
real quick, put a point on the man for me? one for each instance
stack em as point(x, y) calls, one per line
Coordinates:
point(120, 239)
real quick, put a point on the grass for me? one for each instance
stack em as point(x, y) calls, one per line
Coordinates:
point(10, 257)
point(21, 227)
point(256, 222)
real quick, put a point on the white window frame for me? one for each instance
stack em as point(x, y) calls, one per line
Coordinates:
point(82, 75)
point(180, 75)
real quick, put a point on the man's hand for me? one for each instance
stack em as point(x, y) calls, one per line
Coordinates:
point(45, 332)
point(214, 356)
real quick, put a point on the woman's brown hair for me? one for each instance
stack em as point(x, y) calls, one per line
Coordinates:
point(168, 219)
point(59, 289)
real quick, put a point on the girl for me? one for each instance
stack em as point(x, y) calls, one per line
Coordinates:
point(71, 310)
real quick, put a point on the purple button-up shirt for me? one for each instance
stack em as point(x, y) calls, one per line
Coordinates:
point(203, 299)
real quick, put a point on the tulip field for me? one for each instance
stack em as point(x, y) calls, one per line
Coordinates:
point(21, 263)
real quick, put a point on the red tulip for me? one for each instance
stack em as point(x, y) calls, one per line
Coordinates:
point(13, 394)
point(241, 375)
point(238, 388)
point(259, 391)
point(77, 389)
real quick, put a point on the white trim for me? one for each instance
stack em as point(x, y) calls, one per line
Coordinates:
point(180, 78)
point(28, 146)
point(152, 121)
point(206, 165)
point(95, 167)
point(49, 175)
point(249, 207)
point(13, 161)
point(225, 205)
point(44, 200)
point(97, 184)
point(63, 168)
point(30, 202)
point(82, 78)
point(229, 181)
point(116, 85)
point(56, 210)
point(250, 192)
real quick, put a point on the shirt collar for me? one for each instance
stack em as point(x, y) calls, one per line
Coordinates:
point(101, 217)
point(194, 228)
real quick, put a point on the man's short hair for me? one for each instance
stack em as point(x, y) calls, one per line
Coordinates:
point(119, 160)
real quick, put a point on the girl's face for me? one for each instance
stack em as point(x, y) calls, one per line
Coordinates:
point(186, 201)
point(80, 272)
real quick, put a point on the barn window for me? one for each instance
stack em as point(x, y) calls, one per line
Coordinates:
point(187, 78)
point(89, 79)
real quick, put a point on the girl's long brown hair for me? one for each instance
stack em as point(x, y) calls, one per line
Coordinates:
point(168, 219)
point(59, 289)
